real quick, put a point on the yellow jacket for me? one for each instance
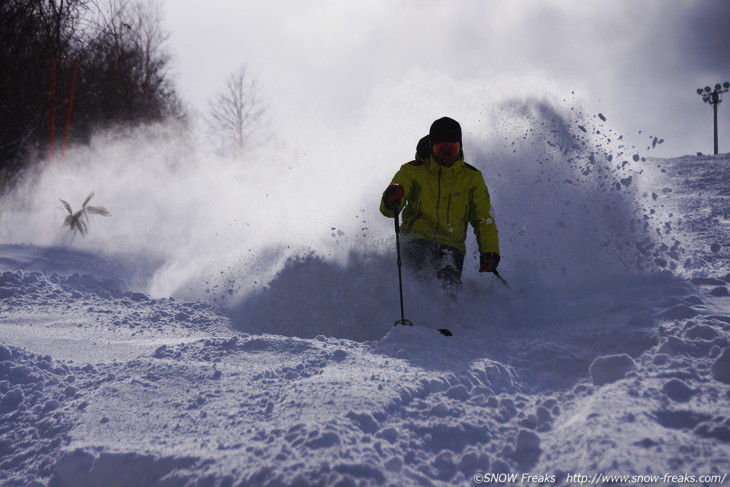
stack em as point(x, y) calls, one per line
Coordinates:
point(440, 202)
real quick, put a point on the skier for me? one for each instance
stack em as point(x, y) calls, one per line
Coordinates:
point(440, 195)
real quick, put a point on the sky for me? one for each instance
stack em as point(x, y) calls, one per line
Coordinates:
point(327, 64)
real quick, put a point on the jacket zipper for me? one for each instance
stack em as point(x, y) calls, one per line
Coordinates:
point(438, 205)
point(448, 208)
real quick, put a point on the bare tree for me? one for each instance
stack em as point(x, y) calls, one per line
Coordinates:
point(130, 61)
point(236, 112)
point(117, 47)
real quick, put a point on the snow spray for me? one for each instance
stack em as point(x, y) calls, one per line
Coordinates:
point(284, 235)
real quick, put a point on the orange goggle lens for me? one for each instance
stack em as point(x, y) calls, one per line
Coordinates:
point(446, 149)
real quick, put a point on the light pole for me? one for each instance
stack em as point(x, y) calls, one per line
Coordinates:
point(714, 98)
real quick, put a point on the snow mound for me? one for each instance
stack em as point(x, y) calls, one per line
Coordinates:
point(611, 368)
point(25, 287)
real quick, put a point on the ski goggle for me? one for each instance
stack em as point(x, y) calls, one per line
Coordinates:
point(446, 149)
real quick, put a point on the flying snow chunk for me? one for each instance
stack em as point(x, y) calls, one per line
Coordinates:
point(608, 369)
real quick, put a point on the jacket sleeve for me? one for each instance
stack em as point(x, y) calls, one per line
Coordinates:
point(403, 178)
point(482, 219)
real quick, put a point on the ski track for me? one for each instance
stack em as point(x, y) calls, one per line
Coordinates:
point(103, 386)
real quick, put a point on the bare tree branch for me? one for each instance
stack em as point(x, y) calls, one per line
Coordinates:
point(236, 112)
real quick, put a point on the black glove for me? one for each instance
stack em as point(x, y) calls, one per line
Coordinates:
point(393, 196)
point(488, 262)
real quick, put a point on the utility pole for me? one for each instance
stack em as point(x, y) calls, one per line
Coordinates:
point(714, 98)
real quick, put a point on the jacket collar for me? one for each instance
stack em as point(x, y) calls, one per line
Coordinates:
point(434, 166)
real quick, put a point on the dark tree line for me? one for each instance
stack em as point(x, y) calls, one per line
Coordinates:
point(95, 63)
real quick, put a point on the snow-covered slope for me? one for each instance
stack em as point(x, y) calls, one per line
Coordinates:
point(303, 381)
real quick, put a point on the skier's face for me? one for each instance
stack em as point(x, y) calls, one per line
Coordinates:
point(446, 153)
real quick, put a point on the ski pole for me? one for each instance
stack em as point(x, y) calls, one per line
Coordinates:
point(504, 281)
point(501, 279)
point(403, 320)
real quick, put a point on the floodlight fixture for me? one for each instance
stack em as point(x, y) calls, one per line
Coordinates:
point(714, 98)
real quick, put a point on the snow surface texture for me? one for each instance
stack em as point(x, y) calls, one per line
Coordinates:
point(611, 356)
